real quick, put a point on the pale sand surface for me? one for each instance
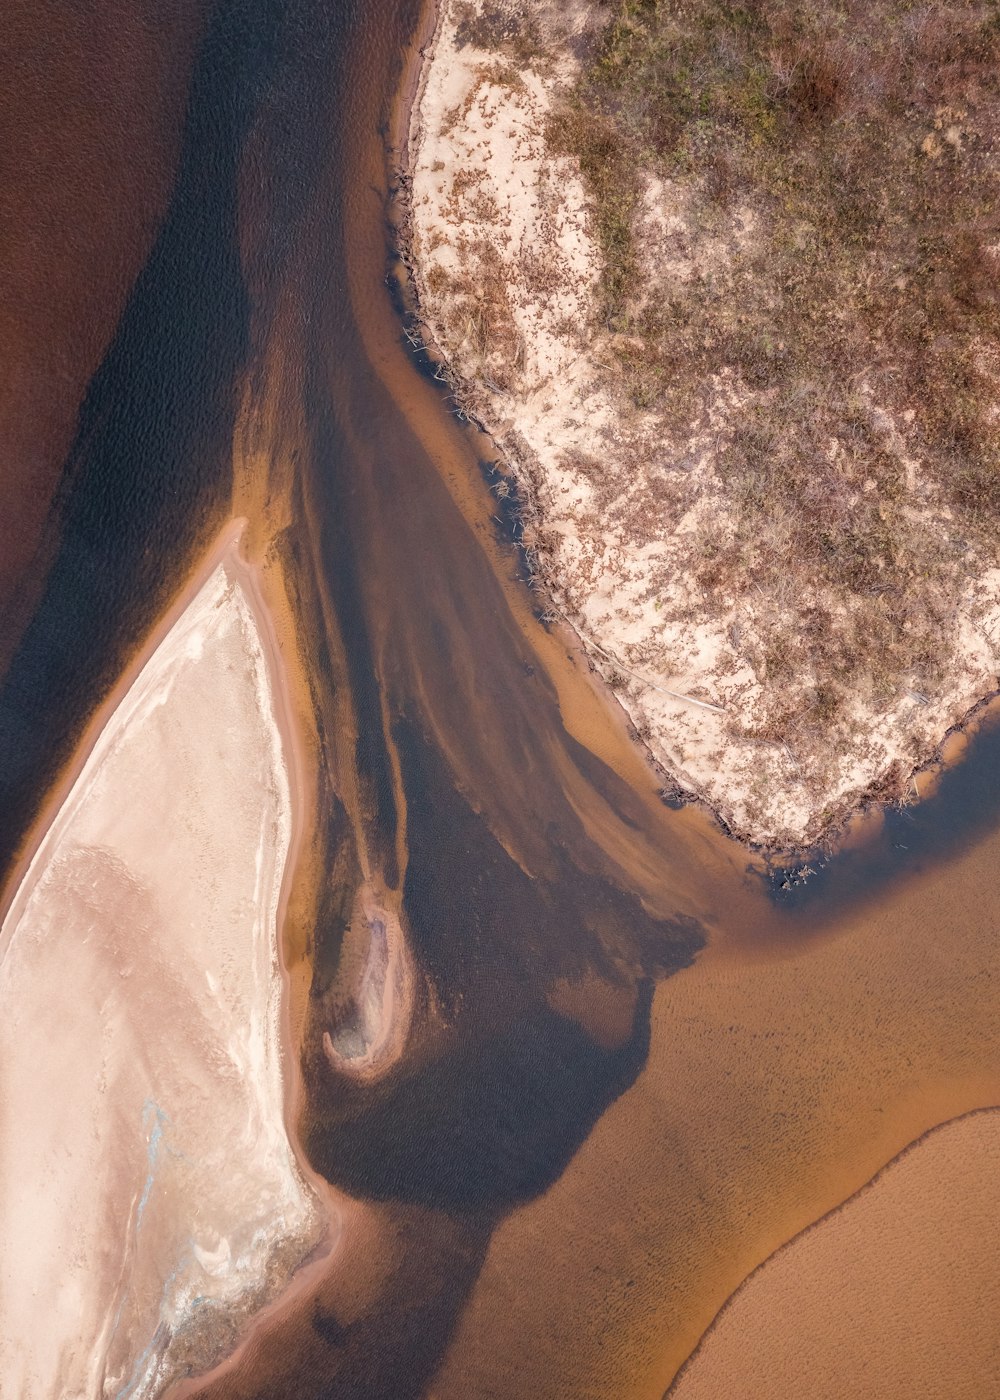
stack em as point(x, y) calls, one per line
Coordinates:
point(506, 264)
point(375, 992)
point(148, 1191)
point(895, 1295)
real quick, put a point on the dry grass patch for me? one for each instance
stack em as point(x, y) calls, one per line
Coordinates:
point(830, 176)
point(723, 281)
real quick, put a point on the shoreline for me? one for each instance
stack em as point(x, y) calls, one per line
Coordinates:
point(57, 793)
point(395, 996)
point(254, 577)
point(888, 1171)
point(846, 820)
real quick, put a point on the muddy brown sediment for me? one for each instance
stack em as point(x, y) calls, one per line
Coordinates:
point(639, 1249)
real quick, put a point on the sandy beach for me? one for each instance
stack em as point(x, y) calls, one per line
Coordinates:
point(157, 1202)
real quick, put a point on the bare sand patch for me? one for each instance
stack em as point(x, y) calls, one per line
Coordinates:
point(896, 1294)
point(149, 1194)
point(626, 515)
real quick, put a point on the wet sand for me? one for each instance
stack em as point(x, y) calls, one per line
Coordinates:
point(896, 1294)
point(156, 1199)
point(779, 1080)
point(600, 1277)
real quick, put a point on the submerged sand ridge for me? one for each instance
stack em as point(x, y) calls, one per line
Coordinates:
point(149, 1196)
point(895, 1294)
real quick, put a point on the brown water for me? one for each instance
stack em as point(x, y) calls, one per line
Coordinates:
point(634, 1069)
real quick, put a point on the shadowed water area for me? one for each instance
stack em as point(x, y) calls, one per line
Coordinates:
point(550, 1160)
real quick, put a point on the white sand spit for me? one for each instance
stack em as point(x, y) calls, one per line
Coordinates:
point(149, 1196)
point(375, 1002)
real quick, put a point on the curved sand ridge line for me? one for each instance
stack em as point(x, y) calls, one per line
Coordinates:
point(149, 1196)
point(893, 1293)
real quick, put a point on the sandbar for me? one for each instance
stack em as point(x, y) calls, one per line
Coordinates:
point(150, 1197)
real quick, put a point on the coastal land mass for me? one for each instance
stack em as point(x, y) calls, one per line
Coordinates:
point(724, 297)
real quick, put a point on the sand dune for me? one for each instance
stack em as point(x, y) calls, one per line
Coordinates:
point(149, 1196)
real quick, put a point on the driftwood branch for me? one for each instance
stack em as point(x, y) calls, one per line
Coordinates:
point(644, 680)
